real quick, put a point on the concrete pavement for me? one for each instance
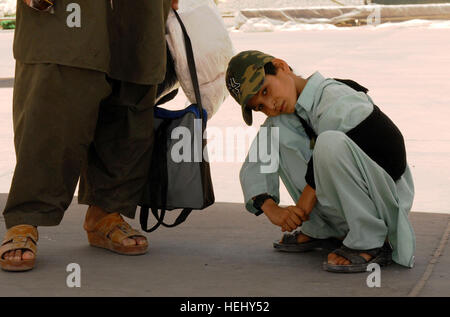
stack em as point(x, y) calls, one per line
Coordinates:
point(221, 251)
point(225, 251)
point(6, 54)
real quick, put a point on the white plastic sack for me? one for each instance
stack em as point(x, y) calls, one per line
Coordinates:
point(189, 5)
point(212, 48)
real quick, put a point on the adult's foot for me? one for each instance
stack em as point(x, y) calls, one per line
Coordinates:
point(18, 255)
point(94, 214)
point(18, 249)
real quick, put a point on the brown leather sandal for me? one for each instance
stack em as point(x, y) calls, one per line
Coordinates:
point(20, 237)
point(109, 233)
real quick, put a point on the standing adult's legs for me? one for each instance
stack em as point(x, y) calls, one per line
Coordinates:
point(120, 156)
point(54, 113)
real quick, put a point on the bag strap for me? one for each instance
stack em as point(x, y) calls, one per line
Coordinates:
point(309, 132)
point(191, 64)
point(192, 69)
point(160, 218)
point(353, 84)
point(180, 219)
point(143, 219)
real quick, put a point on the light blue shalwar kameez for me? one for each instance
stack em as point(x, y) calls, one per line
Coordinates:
point(357, 199)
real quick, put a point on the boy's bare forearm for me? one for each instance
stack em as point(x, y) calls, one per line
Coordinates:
point(307, 199)
point(269, 206)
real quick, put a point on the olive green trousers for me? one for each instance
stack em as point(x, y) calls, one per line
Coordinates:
point(72, 123)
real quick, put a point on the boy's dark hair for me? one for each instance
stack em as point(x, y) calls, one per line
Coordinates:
point(270, 69)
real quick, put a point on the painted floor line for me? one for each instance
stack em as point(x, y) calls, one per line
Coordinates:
point(430, 267)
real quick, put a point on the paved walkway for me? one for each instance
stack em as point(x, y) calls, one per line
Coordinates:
point(221, 251)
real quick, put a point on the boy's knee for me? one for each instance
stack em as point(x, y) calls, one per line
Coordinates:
point(330, 146)
point(330, 141)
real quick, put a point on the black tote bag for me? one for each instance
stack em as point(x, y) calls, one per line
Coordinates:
point(179, 176)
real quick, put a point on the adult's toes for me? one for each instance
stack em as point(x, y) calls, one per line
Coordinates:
point(28, 255)
point(141, 240)
point(18, 256)
point(128, 242)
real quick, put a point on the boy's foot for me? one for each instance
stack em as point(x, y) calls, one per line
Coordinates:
point(19, 247)
point(118, 236)
point(346, 260)
point(335, 259)
point(302, 238)
point(300, 242)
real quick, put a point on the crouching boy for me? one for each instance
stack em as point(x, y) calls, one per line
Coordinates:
point(342, 160)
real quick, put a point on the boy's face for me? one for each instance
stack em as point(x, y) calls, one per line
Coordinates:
point(278, 94)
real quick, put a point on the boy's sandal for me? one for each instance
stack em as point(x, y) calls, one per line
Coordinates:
point(109, 233)
point(381, 256)
point(289, 243)
point(20, 237)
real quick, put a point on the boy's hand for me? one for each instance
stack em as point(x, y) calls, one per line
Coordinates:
point(299, 212)
point(175, 4)
point(288, 218)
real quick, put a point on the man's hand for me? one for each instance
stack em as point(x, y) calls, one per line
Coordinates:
point(175, 4)
point(288, 218)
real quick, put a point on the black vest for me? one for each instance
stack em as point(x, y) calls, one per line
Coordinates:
point(376, 135)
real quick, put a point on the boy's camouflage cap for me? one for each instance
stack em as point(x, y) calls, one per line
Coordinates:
point(245, 76)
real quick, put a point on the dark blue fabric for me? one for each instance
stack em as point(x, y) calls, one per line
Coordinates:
point(162, 113)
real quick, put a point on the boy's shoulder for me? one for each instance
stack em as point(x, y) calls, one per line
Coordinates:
point(344, 86)
point(319, 82)
point(332, 89)
point(319, 88)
